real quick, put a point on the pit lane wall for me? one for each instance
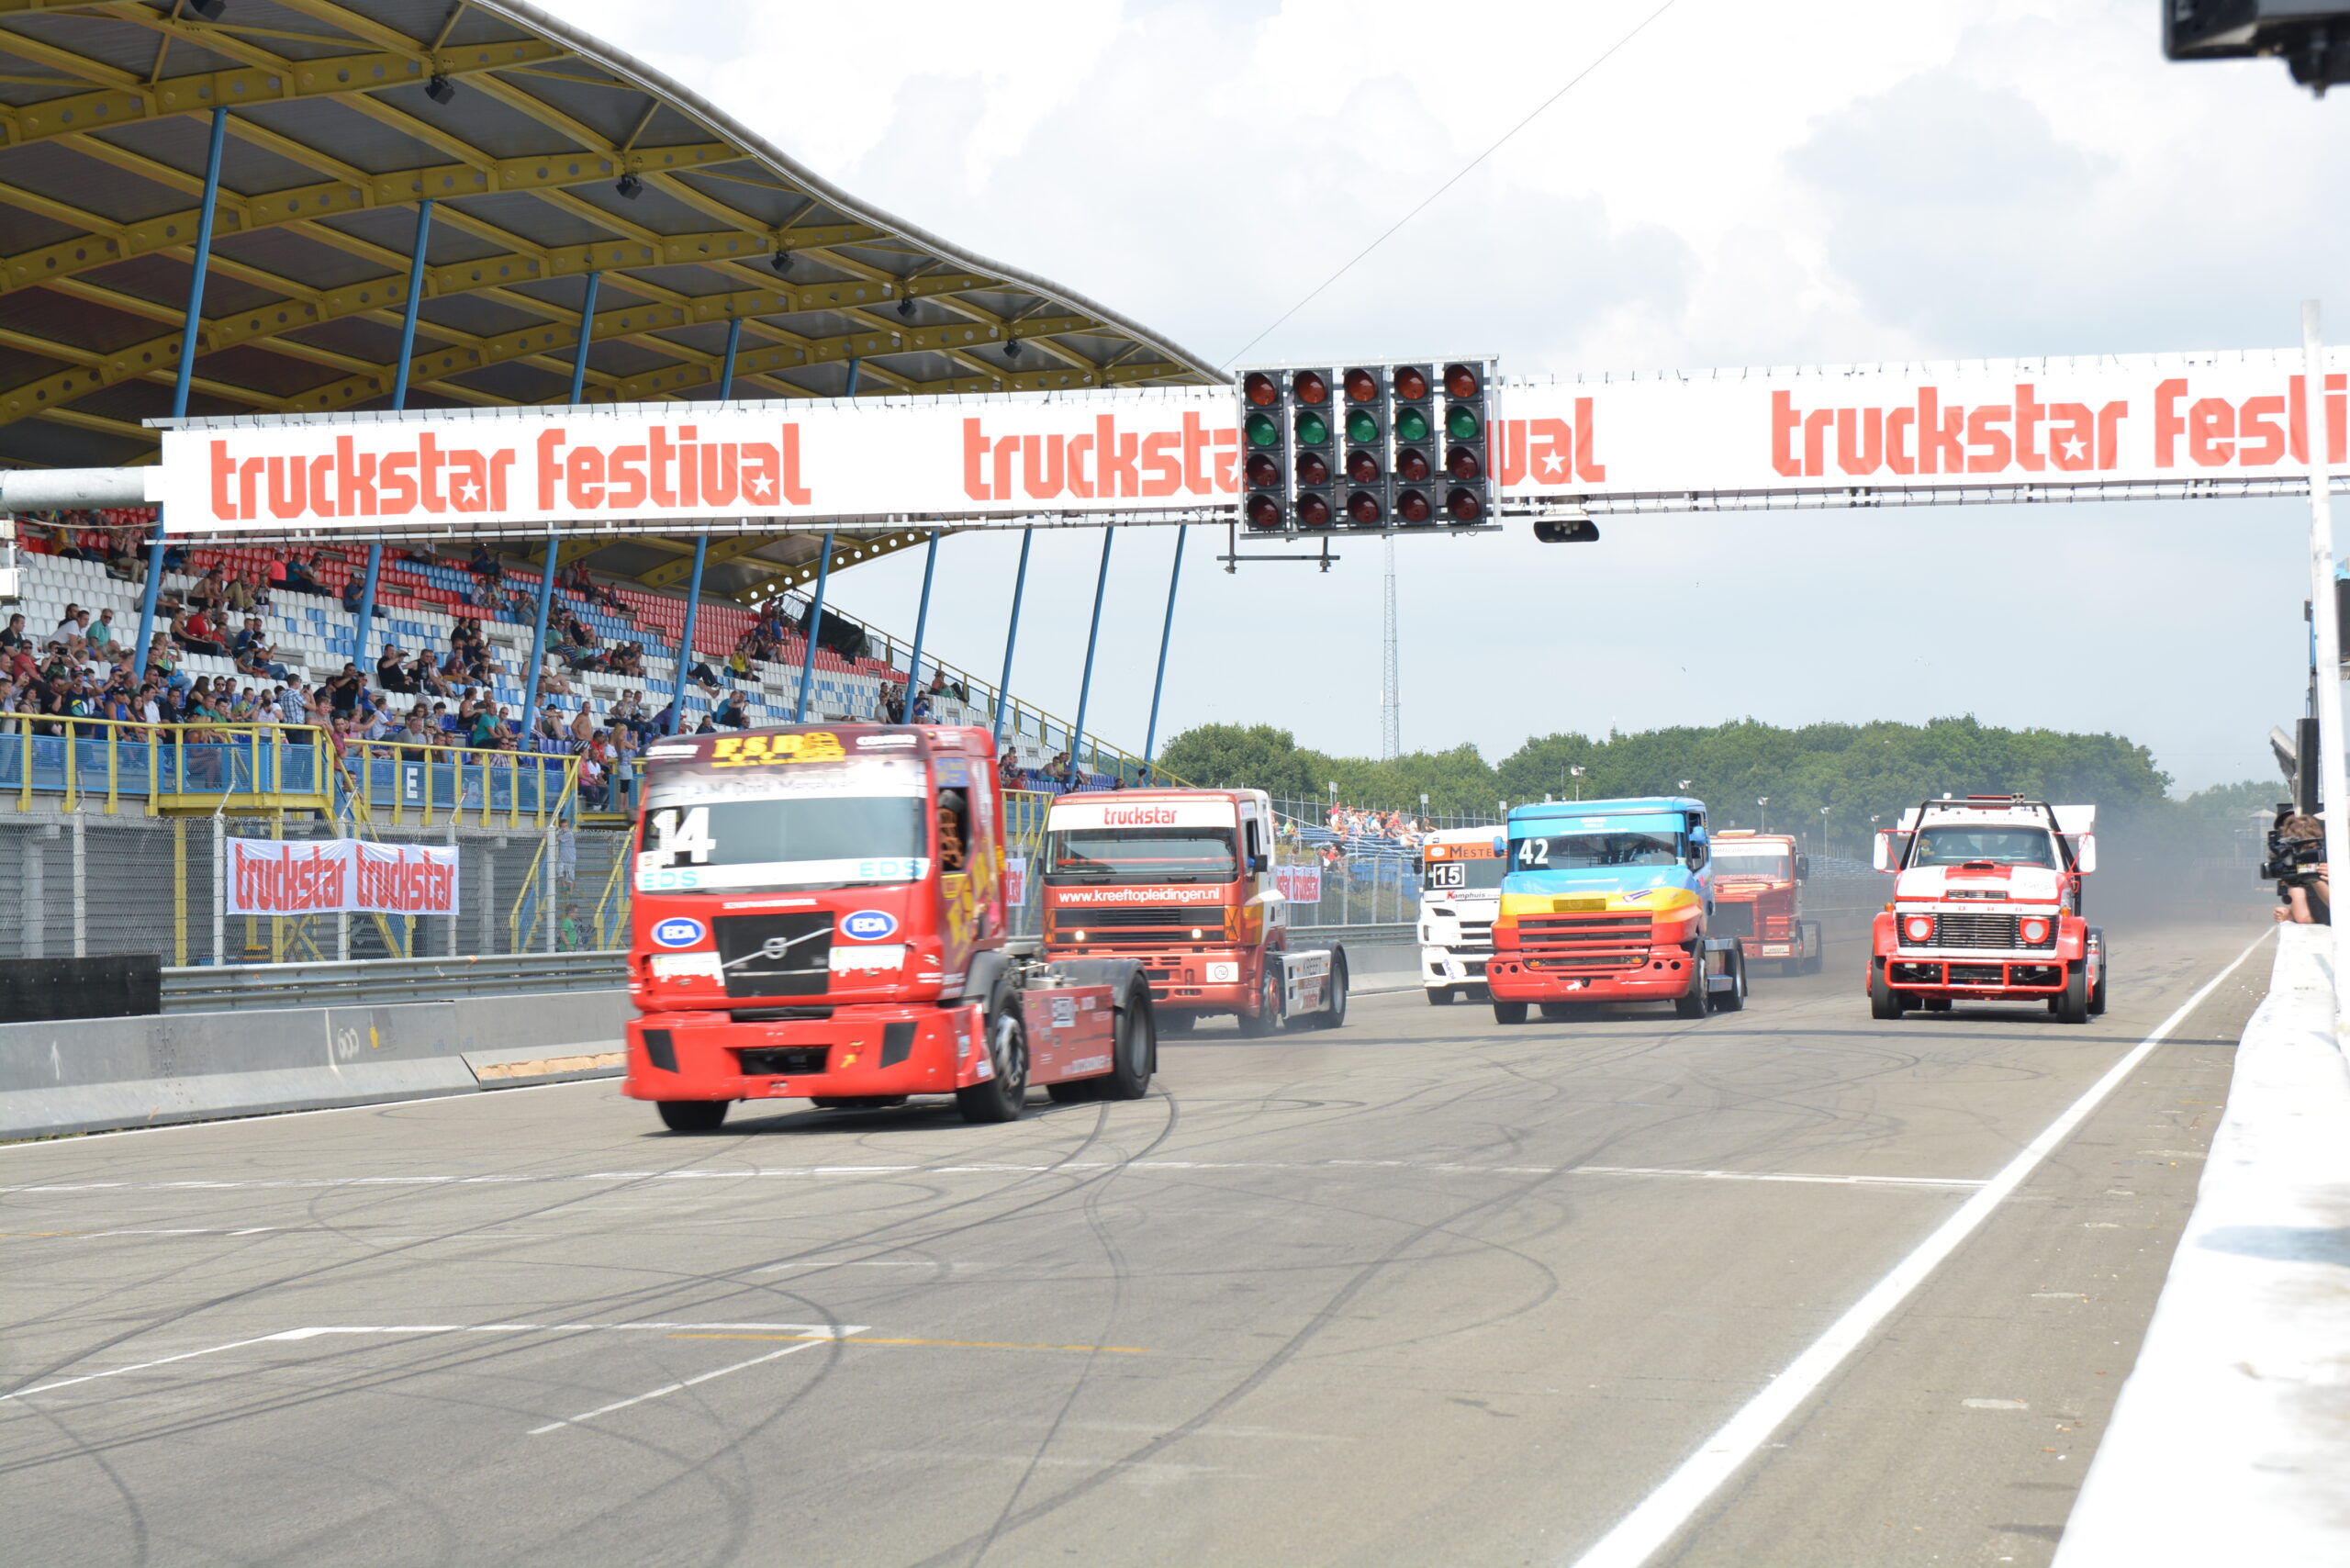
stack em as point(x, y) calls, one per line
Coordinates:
point(2231, 1441)
point(98, 1074)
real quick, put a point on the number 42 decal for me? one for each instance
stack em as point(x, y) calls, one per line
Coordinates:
point(1534, 852)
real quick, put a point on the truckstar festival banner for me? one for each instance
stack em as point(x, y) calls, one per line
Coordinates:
point(341, 876)
point(2122, 419)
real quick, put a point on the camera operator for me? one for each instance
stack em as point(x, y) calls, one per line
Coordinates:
point(2296, 861)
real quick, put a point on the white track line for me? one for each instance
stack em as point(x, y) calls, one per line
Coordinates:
point(1644, 1532)
point(675, 1388)
point(828, 1331)
point(1072, 1167)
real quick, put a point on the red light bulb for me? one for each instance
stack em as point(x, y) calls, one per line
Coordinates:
point(1464, 506)
point(1263, 472)
point(1312, 511)
point(1310, 388)
point(1311, 469)
point(1362, 387)
point(1259, 389)
point(1462, 465)
point(1411, 384)
point(1365, 509)
point(1412, 466)
point(1412, 506)
point(1362, 468)
point(1459, 381)
point(1264, 513)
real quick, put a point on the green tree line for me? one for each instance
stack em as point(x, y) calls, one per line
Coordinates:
point(1857, 772)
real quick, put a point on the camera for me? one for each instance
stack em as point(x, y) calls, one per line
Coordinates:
point(2292, 860)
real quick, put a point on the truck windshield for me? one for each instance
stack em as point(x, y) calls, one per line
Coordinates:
point(810, 826)
point(1751, 863)
point(1581, 851)
point(1140, 854)
point(2006, 846)
point(1457, 876)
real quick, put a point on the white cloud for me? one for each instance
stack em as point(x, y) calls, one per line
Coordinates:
point(1845, 181)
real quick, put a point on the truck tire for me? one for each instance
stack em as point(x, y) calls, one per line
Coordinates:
point(1884, 1001)
point(1334, 1016)
point(1691, 1003)
point(2104, 972)
point(693, 1115)
point(1734, 999)
point(1134, 1047)
point(1268, 1019)
point(1508, 1012)
point(2072, 1003)
point(1443, 996)
point(1002, 1097)
point(1816, 953)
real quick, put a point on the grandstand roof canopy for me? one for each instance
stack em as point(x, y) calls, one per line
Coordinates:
point(547, 154)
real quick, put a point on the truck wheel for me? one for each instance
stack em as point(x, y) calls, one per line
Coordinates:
point(1443, 996)
point(1002, 1097)
point(2073, 1003)
point(1816, 954)
point(1268, 1020)
point(2104, 969)
point(693, 1115)
point(1884, 1001)
point(1334, 1017)
point(1509, 1011)
point(1132, 1049)
point(1734, 999)
point(1691, 1003)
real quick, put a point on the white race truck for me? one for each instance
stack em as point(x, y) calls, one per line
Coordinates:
point(1461, 891)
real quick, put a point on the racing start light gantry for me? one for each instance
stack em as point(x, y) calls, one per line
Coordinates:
point(1375, 447)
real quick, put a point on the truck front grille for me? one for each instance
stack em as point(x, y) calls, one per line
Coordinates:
point(1155, 927)
point(1584, 941)
point(1986, 929)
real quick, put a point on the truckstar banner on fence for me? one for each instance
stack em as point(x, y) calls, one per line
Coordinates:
point(341, 876)
point(1803, 435)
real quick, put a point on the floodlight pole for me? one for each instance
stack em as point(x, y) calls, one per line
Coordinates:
point(816, 626)
point(1012, 633)
point(1093, 638)
point(2332, 774)
point(190, 324)
point(1158, 684)
point(399, 402)
point(922, 624)
point(701, 553)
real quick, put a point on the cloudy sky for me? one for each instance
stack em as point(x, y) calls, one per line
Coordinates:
point(1837, 181)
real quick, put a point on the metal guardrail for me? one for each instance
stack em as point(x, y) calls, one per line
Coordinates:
point(378, 981)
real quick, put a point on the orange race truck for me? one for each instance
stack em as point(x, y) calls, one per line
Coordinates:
point(820, 915)
point(1181, 882)
point(1758, 895)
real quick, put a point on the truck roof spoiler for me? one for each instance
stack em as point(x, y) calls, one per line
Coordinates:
point(2070, 821)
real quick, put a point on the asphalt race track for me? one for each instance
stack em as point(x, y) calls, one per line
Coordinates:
point(1422, 1291)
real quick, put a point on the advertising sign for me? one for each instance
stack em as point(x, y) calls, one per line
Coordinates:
point(1812, 435)
point(339, 876)
point(1299, 884)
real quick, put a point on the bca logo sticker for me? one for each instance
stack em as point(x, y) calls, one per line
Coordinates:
point(868, 926)
point(677, 931)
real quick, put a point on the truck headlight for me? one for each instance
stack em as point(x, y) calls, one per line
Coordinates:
point(1918, 927)
point(2034, 929)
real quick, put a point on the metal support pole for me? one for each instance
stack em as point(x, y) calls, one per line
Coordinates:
point(80, 886)
point(854, 367)
point(538, 639)
point(1093, 638)
point(366, 606)
point(815, 624)
point(922, 624)
point(685, 638)
point(587, 333)
point(366, 623)
point(2323, 614)
point(191, 325)
point(1166, 633)
point(220, 890)
point(726, 372)
point(1011, 635)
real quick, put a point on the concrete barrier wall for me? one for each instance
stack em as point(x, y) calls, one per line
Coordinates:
point(2231, 1440)
point(88, 1075)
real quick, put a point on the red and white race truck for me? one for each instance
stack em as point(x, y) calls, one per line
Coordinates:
point(1181, 881)
point(1758, 895)
point(820, 915)
point(1986, 907)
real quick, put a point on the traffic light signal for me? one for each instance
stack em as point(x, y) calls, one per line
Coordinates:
point(1369, 447)
point(1264, 453)
point(1468, 493)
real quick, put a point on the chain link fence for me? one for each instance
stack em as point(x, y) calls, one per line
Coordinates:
point(84, 884)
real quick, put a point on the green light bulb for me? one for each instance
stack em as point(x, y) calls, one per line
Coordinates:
point(1411, 425)
point(1262, 432)
point(1460, 422)
point(1361, 428)
point(1312, 430)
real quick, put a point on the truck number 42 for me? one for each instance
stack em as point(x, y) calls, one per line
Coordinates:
point(1534, 852)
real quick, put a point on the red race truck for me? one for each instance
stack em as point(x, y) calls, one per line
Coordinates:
point(1758, 895)
point(1986, 907)
point(820, 914)
point(1181, 881)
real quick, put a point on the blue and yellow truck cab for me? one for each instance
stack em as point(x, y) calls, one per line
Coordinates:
point(1608, 900)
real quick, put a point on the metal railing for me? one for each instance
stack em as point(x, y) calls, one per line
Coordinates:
point(392, 781)
point(376, 981)
point(100, 764)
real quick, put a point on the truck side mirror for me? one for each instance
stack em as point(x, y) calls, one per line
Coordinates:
point(1256, 864)
point(1803, 867)
point(1501, 847)
point(2085, 852)
point(1882, 856)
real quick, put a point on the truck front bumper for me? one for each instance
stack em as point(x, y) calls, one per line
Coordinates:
point(1441, 967)
point(1514, 975)
point(2040, 974)
point(880, 1050)
point(1186, 979)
